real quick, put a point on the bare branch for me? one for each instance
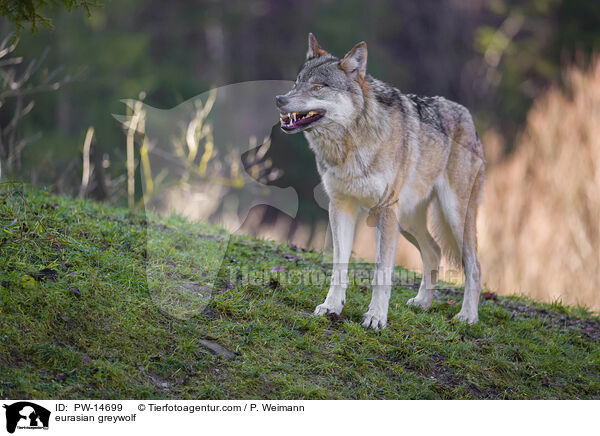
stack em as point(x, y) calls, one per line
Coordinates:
point(17, 84)
point(5, 48)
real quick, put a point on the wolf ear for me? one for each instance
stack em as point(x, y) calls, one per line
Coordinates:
point(355, 61)
point(314, 49)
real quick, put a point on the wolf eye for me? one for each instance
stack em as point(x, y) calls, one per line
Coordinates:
point(317, 87)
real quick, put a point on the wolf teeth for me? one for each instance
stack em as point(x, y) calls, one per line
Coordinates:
point(292, 117)
point(285, 117)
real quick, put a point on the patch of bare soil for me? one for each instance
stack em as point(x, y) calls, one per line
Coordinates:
point(561, 320)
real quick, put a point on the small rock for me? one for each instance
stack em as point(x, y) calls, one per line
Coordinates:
point(217, 349)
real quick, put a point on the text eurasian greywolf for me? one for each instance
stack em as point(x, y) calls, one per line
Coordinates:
point(407, 159)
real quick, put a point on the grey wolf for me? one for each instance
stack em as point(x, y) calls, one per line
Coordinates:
point(402, 157)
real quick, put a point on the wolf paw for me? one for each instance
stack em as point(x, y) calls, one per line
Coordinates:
point(324, 309)
point(423, 303)
point(467, 317)
point(374, 320)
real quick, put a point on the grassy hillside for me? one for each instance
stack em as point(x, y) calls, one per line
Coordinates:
point(80, 318)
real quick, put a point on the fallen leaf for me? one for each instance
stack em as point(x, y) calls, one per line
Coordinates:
point(490, 296)
point(59, 378)
point(46, 274)
point(450, 302)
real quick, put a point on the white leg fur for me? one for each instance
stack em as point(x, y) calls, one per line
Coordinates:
point(342, 231)
point(470, 307)
point(386, 237)
point(414, 228)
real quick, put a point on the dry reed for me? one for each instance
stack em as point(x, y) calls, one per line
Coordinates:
point(539, 221)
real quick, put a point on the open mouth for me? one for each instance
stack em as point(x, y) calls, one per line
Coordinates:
point(294, 120)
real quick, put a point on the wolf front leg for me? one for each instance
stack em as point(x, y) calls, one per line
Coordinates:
point(342, 217)
point(386, 237)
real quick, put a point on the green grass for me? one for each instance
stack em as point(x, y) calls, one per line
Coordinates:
point(98, 302)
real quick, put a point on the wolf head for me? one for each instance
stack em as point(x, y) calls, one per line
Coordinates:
point(327, 91)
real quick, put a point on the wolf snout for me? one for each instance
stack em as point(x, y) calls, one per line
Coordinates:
point(281, 100)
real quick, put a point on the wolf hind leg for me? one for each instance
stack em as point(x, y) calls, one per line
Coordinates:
point(414, 228)
point(458, 205)
point(469, 311)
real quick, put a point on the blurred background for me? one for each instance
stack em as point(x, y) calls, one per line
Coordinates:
point(528, 71)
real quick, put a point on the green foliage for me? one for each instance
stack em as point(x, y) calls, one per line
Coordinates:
point(78, 320)
point(495, 59)
point(31, 12)
point(523, 49)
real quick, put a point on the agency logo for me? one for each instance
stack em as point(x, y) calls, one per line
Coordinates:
point(26, 415)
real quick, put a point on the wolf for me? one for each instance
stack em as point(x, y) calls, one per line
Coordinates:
point(406, 159)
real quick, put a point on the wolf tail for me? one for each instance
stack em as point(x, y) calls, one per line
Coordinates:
point(454, 217)
point(444, 235)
